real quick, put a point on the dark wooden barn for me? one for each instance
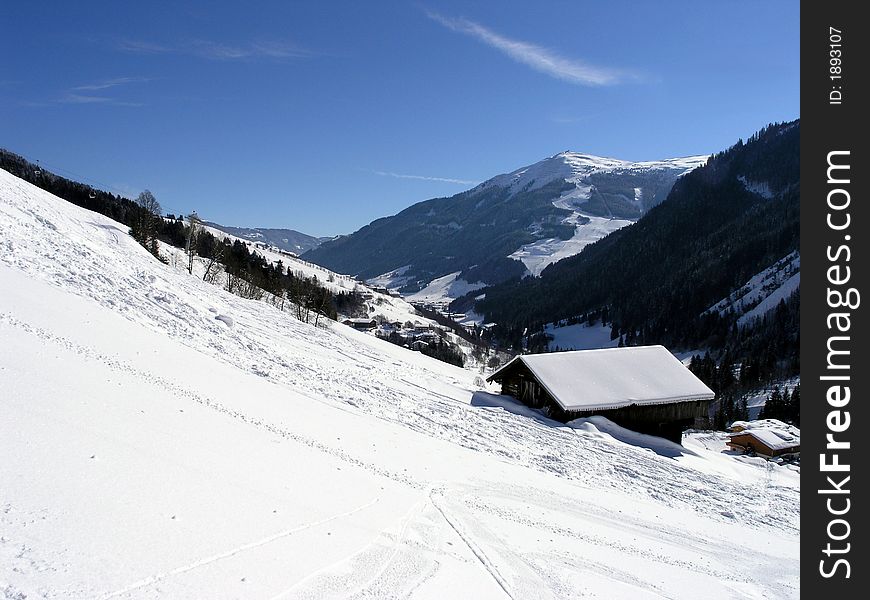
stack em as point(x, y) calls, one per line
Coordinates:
point(642, 388)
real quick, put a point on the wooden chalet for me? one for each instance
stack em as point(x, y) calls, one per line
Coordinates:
point(765, 442)
point(643, 388)
point(361, 324)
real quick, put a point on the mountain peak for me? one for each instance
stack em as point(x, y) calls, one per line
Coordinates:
point(575, 167)
point(514, 224)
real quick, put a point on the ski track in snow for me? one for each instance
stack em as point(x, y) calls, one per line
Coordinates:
point(455, 526)
point(207, 561)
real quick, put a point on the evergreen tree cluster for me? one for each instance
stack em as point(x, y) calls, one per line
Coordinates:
point(724, 379)
point(444, 352)
point(783, 405)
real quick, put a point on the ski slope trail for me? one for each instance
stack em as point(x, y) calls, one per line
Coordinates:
point(164, 438)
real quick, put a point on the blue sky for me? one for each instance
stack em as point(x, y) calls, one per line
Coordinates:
point(324, 116)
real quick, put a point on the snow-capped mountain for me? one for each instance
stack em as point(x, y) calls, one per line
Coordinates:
point(718, 253)
point(511, 225)
point(163, 437)
point(575, 167)
point(288, 240)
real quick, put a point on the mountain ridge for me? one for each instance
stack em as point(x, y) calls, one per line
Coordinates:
point(513, 224)
point(289, 240)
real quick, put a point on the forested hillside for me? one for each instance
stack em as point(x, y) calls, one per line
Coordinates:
point(653, 280)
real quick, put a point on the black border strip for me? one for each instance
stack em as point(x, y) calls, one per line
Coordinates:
point(834, 107)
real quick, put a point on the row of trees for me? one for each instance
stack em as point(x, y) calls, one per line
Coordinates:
point(734, 381)
point(783, 405)
point(246, 274)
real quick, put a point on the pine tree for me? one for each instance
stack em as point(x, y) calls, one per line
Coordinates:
point(773, 407)
point(742, 411)
point(794, 412)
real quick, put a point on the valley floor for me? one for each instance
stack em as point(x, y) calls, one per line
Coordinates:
point(163, 438)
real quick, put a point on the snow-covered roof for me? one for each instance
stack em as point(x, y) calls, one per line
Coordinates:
point(775, 439)
point(766, 424)
point(613, 377)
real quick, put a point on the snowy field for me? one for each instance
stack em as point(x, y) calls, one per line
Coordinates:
point(588, 229)
point(445, 289)
point(163, 438)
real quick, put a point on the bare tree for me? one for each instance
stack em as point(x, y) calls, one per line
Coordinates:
point(213, 265)
point(147, 201)
point(146, 227)
point(194, 228)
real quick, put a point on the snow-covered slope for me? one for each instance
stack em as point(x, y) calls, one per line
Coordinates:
point(764, 291)
point(590, 223)
point(161, 437)
point(389, 307)
point(444, 289)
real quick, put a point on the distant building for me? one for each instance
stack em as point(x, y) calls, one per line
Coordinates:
point(643, 388)
point(766, 442)
point(361, 324)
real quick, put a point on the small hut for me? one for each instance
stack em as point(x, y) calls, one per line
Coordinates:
point(361, 324)
point(643, 388)
point(766, 442)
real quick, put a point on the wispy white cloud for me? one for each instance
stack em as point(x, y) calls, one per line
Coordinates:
point(85, 93)
point(109, 83)
point(260, 49)
point(537, 57)
point(73, 98)
point(426, 178)
point(83, 99)
point(143, 47)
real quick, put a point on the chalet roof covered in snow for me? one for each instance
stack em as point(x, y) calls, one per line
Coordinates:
point(612, 377)
point(775, 439)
